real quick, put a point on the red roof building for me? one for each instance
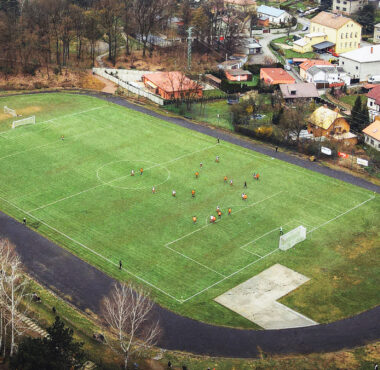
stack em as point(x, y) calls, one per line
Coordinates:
point(275, 76)
point(311, 63)
point(171, 85)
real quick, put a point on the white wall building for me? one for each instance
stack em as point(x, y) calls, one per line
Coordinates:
point(275, 15)
point(361, 63)
point(372, 135)
point(373, 102)
point(348, 7)
point(326, 75)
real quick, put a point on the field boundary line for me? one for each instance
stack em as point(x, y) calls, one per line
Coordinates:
point(315, 202)
point(91, 250)
point(228, 276)
point(342, 214)
point(98, 185)
point(191, 259)
point(239, 210)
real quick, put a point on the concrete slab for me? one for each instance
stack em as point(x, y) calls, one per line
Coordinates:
point(255, 299)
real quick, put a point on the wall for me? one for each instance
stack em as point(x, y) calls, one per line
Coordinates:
point(376, 35)
point(372, 142)
point(127, 85)
point(363, 71)
point(373, 108)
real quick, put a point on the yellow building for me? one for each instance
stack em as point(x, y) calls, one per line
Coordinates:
point(243, 6)
point(305, 44)
point(342, 31)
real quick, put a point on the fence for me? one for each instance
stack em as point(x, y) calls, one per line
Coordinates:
point(106, 73)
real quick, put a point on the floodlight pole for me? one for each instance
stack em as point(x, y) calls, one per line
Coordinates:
point(189, 42)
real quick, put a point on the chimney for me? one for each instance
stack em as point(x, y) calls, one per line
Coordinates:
point(371, 49)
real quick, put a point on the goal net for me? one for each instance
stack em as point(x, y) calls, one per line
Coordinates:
point(10, 111)
point(293, 237)
point(25, 121)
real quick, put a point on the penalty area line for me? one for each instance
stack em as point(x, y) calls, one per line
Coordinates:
point(342, 214)
point(90, 250)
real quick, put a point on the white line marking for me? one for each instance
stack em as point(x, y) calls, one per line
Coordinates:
point(228, 276)
point(295, 313)
point(89, 249)
point(315, 202)
point(342, 214)
point(110, 182)
point(201, 264)
point(251, 205)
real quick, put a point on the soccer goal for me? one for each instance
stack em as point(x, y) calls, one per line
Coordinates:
point(293, 237)
point(25, 121)
point(10, 111)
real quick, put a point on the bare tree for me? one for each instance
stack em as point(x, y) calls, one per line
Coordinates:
point(128, 311)
point(293, 120)
point(13, 295)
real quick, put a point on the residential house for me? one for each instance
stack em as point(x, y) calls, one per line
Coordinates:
point(361, 63)
point(348, 7)
point(251, 46)
point(275, 76)
point(243, 6)
point(373, 102)
point(310, 63)
point(341, 31)
point(263, 21)
point(304, 90)
point(275, 15)
point(171, 85)
point(327, 76)
point(372, 134)
point(330, 124)
point(238, 75)
point(305, 44)
point(376, 33)
point(231, 64)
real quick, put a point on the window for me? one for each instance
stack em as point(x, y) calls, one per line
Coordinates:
point(342, 63)
point(379, 145)
point(357, 67)
point(356, 34)
point(341, 35)
point(346, 35)
point(344, 2)
point(337, 8)
point(372, 142)
point(351, 35)
point(366, 138)
point(344, 9)
point(371, 103)
point(350, 44)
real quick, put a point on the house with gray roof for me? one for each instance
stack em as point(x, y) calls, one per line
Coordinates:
point(275, 15)
point(303, 90)
point(326, 76)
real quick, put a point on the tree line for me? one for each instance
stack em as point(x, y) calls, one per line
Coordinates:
point(44, 33)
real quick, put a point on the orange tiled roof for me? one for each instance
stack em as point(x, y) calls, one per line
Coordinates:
point(330, 20)
point(277, 74)
point(172, 81)
point(314, 62)
point(373, 130)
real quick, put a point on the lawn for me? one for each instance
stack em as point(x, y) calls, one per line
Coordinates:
point(350, 99)
point(79, 193)
point(216, 113)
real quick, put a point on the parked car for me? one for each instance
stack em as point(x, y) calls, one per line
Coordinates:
point(287, 67)
point(258, 116)
point(374, 79)
point(305, 28)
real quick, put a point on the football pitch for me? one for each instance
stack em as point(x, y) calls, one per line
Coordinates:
point(79, 192)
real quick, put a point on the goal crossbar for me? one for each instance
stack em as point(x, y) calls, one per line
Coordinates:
point(25, 121)
point(10, 111)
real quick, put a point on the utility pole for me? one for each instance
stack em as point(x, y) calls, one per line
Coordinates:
point(189, 42)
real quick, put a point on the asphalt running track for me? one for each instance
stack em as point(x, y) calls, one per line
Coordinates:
point(69, 276)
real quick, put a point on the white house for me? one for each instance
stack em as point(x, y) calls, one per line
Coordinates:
point(372, 134)
point(324, 76)
point(275, 15)
point(373, 102)
point(361, 63)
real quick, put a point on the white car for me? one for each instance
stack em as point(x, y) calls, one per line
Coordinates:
point(287, 67)
point(374, 79)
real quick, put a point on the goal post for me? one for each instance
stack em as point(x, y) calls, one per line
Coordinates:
point(25, 121)
point(10, 111)
point(291, 238)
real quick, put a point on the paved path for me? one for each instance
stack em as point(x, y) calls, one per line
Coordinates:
point(85, 286)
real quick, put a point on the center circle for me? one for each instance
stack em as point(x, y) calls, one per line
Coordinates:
point(118, 174)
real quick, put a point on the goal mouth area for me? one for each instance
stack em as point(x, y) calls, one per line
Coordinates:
point(291, 238)
point(10, 111)
point(25, 121)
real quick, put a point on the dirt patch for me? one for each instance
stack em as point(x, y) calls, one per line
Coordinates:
point(29, 110)
point(4, 116)
point(91, 82)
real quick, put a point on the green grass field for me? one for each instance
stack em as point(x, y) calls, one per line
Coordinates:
point(79, 193)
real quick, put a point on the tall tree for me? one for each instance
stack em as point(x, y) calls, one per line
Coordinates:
point(366, 17)
point(128, 312)
point(356, 113)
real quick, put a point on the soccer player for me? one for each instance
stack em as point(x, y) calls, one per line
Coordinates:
point(154, 190)
point(217, 159)
point(229, 211)
point(225, 179)
point(218, 141)
point(133, 173)
point(245, 196)
point(231, 182)
point(196, 174)
point(220, 214)
point(200, 165)
point(193, 193)
point(174, 193)
point(62, 138)
point(24, 221)
point(257, 177)
point(245, 184)
point(212, 219)
point(281, 231)
point(194, 219)
point(120, 265)
point(141, 171)
point(217, 209)
point(242, 196)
